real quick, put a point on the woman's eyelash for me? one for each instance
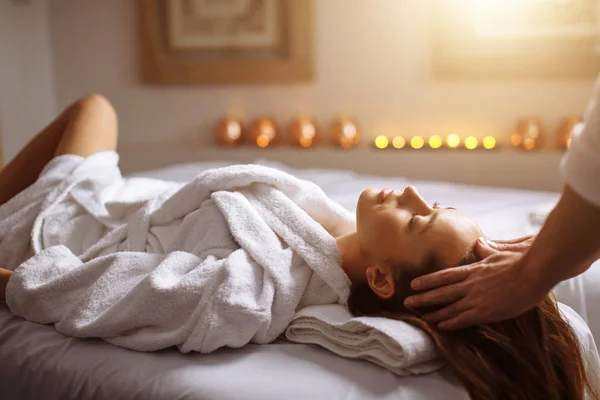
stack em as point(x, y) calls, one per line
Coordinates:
point(412, 220)
point(436, 204)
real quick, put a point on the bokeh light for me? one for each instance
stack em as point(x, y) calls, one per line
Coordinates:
point(398, 142)
point(529, 143)
point(471, 143)
point(381, 142)
point(262, 141)
point(516, 140)
point(453, 141)
point(305, 141)
point(416, 142)
point(489, 142)
point(435, 142)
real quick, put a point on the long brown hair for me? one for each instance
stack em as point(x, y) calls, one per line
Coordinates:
point(532, 357)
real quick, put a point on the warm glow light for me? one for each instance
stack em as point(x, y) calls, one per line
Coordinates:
point(346, 143)
point(229, 131)
point(262, 141)
point(505, 19)
point(435, 142)
point(529, 144)
point(381, 142)
point(515, 140)
point(349, 130)
point(471, 143)
point(417, 142)
point(489, 142)
point(453, 141)
point(234, 130)
point(568, 142)
point(398, 142)
point(305, 141)
point(308, 130)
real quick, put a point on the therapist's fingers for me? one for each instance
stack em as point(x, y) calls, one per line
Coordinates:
point(440, 278)
point(519, 244)
point(516, 240)
point(462, 320)
point(484, 249)
point(446, 313)
point(435, 297)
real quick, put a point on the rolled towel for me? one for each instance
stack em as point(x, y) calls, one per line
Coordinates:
point(395, 345)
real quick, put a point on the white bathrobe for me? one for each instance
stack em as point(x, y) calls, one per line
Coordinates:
point(225, 260)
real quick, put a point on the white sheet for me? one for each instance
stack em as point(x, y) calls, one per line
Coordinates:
point(37, 362)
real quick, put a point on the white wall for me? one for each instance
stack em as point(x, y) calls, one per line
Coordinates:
point(27, 95)
point(373, 61)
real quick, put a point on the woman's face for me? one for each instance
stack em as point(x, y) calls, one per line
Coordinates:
point(400, 227)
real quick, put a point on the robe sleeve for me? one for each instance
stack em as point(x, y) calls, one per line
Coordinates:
point(147, 301)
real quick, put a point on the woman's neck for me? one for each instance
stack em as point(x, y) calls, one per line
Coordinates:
point(354, 261)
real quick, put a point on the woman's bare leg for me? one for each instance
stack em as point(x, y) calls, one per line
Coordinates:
point(86, 127)
point(4, 277)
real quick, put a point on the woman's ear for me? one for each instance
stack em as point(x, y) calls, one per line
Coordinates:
point(381, 281)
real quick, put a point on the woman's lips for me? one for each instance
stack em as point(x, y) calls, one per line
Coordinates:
point(384, 193)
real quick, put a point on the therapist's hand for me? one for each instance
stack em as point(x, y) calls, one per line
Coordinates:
point(491, 290)
point(486, 248)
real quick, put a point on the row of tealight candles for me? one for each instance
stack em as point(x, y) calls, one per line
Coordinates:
point(302, 132)
point(344, 133)
point(452, 141)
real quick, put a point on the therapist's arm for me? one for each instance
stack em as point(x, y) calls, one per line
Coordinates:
point(568, 242)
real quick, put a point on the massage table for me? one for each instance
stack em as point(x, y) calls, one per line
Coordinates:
point(37, 362)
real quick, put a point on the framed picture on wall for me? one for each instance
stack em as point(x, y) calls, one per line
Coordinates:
point(225, 41)
point(528, 39)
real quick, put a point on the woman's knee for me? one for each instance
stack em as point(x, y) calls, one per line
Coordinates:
point(97, 103)
point(91, 127)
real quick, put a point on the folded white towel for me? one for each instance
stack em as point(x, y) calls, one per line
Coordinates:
point(395, 345)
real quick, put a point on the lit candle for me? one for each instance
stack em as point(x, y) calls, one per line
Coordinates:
point(528, 133)
point(529, 143)
point(262, 141)
point(489, 142)
point(398, 142)
point(303, 132)
point(515, 140)
point(344, 132)
point(229, 131)
point(435, 142)
point(453, 141)
point(416, 142)
point(471, 143)
point(264, 132)
point(381, 142)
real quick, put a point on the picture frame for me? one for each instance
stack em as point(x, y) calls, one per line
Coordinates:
point(541, 40)
point(225, 41)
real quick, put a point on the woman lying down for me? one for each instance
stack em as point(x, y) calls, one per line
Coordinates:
point(228, 259)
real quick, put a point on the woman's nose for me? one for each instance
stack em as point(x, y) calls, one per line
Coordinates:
point(415, 201)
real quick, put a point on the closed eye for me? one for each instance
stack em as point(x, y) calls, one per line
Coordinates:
point(412, 221)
